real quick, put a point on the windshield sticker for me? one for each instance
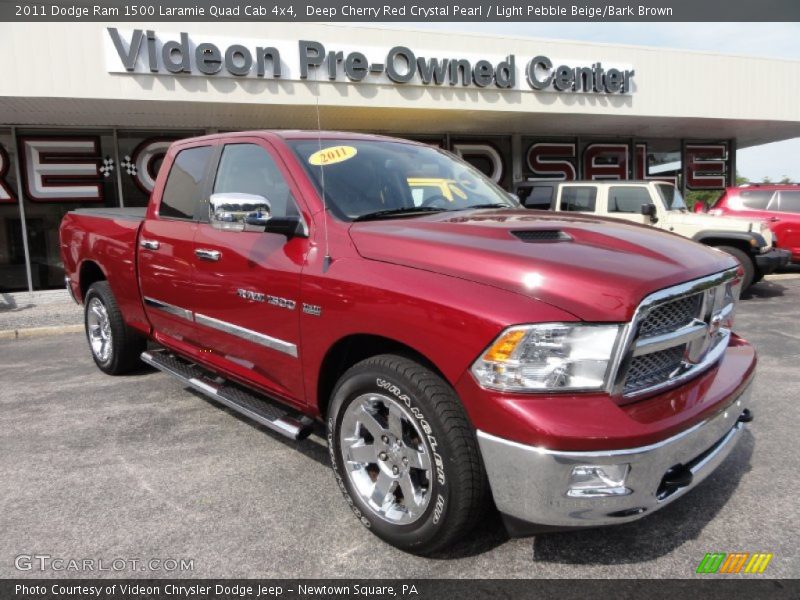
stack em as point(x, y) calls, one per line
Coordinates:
point(332, 155)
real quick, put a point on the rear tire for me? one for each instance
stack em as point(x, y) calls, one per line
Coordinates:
point(115, 347)
point(747, 264)
point(405, 455)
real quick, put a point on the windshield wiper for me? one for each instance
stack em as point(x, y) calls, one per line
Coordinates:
point(391, 212)
point(489, 205)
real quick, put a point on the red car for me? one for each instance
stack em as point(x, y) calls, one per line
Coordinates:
point(582, 371)
point(777, 204)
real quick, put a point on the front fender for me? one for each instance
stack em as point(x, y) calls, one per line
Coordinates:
point(752, 239)
point(446, 319)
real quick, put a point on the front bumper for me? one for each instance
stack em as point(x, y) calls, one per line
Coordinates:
point(774, 259)
point(530, 483)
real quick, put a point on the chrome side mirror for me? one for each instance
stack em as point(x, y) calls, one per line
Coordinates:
point(233, 211)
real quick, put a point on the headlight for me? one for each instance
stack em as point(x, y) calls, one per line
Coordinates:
point(548, 356)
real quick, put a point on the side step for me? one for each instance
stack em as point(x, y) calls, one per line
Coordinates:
point(234, 396)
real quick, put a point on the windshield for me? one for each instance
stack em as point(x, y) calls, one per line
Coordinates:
point(671, 197)
point(382, 179)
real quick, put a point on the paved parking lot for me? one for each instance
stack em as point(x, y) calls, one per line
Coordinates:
point(139, 467)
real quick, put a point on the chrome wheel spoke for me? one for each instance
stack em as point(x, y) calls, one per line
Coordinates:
point(418, 459)
point(361, 452)
point(98, 311)
point(396, 421)
point(410, 499)
point(369, 421)
point(383, 487)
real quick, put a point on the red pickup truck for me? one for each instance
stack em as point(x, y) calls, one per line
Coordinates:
point(454, 345)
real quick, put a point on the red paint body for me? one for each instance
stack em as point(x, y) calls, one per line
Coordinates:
point(444, 285)
point(785, 224)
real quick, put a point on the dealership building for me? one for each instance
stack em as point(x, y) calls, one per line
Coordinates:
point(87, 110)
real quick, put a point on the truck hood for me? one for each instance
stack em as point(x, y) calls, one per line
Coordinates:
point(599, 271)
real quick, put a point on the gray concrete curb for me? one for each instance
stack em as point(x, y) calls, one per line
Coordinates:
point(29, 332)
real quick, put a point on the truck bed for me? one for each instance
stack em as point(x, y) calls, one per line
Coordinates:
point(105, 239)
point(126, 214)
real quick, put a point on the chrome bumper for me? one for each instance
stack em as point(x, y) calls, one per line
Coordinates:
point(68, 285)
point(531, 483)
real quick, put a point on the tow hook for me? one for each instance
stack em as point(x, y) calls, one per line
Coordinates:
point(746, 416)
point(678, 477)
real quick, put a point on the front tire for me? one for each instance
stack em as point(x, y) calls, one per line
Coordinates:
point(405, 455)
point(115, 347)
point(747, 264)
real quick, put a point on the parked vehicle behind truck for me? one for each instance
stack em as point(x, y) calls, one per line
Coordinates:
point(778, 204)
point(660, 204)
point(582, 372)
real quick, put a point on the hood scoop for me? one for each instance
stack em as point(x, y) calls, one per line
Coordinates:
point(533, 236)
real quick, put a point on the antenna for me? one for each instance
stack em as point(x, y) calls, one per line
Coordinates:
point(326, 261)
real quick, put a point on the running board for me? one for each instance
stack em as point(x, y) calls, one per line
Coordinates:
point(233, 396)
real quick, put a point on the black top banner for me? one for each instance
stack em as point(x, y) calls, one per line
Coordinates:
point(367, 11)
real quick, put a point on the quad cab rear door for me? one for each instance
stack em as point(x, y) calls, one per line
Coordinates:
point(165, 252)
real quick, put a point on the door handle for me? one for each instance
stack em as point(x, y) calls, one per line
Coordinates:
point(204, 254)
point(149, 244)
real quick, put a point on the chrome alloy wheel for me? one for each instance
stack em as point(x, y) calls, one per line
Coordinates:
point(99, 329)
point(385, 458)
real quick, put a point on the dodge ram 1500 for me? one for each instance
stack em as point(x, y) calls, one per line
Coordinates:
point(453, 344)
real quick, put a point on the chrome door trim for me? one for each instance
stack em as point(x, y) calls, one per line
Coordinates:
point(248, 334)
point(169, 308)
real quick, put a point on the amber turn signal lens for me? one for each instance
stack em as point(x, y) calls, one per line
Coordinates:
point(504, 346)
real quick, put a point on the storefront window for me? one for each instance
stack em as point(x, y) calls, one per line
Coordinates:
point(13, 276)
point(61, 171)
point(141, 154)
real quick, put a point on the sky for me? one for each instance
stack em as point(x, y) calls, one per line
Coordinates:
point(772, 40)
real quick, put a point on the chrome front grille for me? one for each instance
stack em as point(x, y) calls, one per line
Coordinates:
point(676, 334)
point(672, 315)
point(652, 369)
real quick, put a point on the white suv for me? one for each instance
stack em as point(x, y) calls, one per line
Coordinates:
point(660, 204)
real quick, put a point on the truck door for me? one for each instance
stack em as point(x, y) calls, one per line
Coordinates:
point(247, 283)
point(166, 253)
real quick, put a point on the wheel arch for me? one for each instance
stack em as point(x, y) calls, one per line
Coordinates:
point(90, 272)
point(354, 348)
point(741, 240)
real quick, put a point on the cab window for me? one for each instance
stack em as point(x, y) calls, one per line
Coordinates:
point(578, 198)
point(184, 189)
point(628, 199)
point(537, 196)
point(249, 169)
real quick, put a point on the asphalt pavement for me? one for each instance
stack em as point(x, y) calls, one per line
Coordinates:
point(139, 467)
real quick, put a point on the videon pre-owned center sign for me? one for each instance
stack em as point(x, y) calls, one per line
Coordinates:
point(148, 52)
